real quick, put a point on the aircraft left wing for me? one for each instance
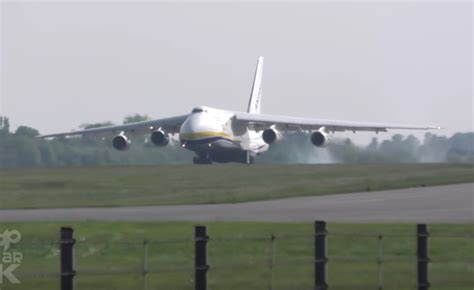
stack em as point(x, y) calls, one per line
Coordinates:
point(169, 125)
point(287, 123)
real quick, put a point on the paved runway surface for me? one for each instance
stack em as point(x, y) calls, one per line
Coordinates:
point(445, 204)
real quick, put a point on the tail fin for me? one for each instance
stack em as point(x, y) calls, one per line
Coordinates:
point(255, 101)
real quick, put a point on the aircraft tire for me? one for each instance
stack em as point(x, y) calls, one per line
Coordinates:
point(200, 160)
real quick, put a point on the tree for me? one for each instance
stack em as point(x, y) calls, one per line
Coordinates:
point(86, 126)
point(135, 118)
point(48, 154)
point(374, 145)
point(26, 132)
point(461, 149)
point(27, 152)
point(394, 151)
point(411, 146)
point(434, 148)
point(344, 151)
point(4, 126)
point(89, 139)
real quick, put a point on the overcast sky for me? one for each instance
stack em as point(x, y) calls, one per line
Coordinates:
point(64, 64)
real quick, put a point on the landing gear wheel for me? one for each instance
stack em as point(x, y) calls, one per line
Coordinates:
point(248, 159)
point(202, 160)
point(252, 160)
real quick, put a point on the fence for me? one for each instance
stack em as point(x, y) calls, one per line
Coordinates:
point(317, 260)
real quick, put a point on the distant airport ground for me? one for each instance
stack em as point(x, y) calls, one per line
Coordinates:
point(242, 255)
point(187, 184)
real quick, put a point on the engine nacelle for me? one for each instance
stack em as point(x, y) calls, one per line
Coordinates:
point(121, 142)
point(271, 135)
point(320, 138)
point(159, 138)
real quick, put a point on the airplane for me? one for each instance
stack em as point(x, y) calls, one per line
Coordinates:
point(221, 136)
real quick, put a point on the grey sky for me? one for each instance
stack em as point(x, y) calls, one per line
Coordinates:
point(64, 64)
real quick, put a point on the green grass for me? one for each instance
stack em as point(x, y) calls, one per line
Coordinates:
point(184, 184)
point(110, 255)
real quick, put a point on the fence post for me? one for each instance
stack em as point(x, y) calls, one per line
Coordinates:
point(320, 259)
point(380, 261)
point(66, 243)
point(272, 260)
point(200, 258)
point(422, 256)
point(145, 264)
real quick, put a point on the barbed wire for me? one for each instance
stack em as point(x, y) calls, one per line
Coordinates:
point(243, 238)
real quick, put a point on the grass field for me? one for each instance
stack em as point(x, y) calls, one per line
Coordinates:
point(242, 256)
point(183, 184)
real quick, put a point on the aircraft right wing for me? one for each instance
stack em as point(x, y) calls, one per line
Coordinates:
point(169, 125)
point(287, 123)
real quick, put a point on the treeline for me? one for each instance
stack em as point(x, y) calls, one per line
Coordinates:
point(22, 148)
point(297, 148)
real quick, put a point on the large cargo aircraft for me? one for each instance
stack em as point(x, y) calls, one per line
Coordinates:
point(225, 136)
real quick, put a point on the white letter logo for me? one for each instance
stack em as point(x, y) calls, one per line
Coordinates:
point(9, 260)
point(8, 238)
point(8, 273)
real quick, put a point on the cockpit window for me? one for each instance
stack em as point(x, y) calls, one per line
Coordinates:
point(197, 110)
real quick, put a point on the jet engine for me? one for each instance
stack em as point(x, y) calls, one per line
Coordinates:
point(320, 138)
point(271, 135)
point(159, 138)
point(121, 142)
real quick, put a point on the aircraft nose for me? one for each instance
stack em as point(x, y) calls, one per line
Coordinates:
point(199, 123)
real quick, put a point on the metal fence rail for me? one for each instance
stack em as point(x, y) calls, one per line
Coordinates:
point(203, 272)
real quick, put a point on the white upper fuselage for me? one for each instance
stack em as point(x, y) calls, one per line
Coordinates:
point(207, 128)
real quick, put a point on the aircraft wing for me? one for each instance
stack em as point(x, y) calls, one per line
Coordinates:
point(287, 123)
point(169, 125)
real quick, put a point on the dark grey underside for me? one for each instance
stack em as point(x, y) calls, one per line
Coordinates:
point(441, 204)
point(217, 149)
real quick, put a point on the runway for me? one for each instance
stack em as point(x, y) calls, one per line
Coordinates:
point(440, 204)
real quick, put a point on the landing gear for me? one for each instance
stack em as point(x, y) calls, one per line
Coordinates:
point(249, 159)
point(222, 156)
point(202, 160)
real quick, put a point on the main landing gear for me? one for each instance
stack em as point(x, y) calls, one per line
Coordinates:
point(202, 160)
point(248, 158)
point(224, 157)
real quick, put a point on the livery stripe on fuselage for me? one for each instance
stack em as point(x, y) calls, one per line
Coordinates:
point(208, 140)
point(204, 135)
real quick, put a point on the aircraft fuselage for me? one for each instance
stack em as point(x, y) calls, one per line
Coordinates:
point(215, 136)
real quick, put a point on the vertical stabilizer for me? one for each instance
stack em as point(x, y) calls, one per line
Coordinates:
point(255, 101)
